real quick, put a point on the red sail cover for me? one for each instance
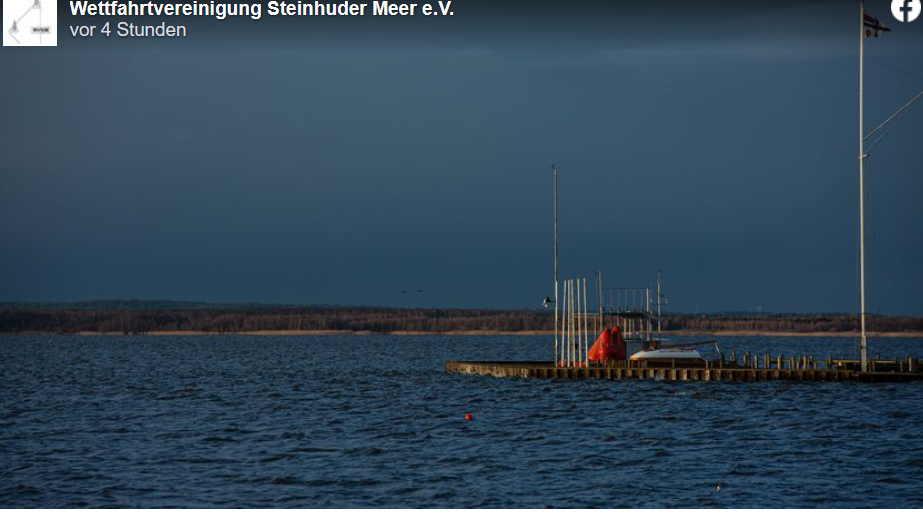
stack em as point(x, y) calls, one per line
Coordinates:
point(609, 346)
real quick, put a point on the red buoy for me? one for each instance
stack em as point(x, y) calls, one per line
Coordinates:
point(468, 417)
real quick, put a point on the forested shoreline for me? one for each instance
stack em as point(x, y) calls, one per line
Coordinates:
point(140, 317)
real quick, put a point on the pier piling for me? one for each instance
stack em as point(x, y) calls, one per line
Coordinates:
point(798, 369)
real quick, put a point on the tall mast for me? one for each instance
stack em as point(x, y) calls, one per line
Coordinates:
point(659, 297)
point(554, 174)
point(863, 346)
point(599, 286)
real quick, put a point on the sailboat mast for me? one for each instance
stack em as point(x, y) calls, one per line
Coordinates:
point(659, 297)
point(554, 173)
point(863, 345)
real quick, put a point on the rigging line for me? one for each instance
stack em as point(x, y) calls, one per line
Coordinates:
point(894, 115)
point(893, 67)
point(881, 137)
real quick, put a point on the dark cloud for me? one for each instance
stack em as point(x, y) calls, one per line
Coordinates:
point(716, 143)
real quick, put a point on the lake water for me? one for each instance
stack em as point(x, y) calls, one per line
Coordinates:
point(373, 421)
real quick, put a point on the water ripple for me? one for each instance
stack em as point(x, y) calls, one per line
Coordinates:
point(372, 421)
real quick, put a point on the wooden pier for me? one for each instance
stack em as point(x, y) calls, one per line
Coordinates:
point(789, 369)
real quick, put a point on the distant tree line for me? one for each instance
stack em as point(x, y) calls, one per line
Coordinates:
point(373, 320)
point(799, 323)
point(138, 317)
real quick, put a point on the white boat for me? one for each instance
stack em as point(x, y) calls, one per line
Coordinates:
point(666, 354)
point(625, 328)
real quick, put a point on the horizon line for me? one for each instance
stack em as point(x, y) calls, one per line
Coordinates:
point(323, 305)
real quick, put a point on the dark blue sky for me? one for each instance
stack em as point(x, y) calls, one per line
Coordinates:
point(718, 146)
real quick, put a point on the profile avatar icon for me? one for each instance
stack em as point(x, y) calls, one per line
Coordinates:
point(35, 26)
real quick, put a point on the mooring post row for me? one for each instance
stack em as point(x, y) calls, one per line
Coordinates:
point(804, 368)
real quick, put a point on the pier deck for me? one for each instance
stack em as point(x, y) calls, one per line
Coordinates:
point(640, 371)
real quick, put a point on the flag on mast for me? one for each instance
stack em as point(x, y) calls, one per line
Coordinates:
point(873, 27)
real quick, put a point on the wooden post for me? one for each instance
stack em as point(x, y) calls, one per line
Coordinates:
point(573, 324)
point(586, 334)
point(579, 337)
point(567, 313)
point(566, 324)
point(570, 323)
point(563, 325)
point(563, 360)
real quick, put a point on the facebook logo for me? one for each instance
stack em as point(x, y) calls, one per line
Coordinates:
point(905, 10)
